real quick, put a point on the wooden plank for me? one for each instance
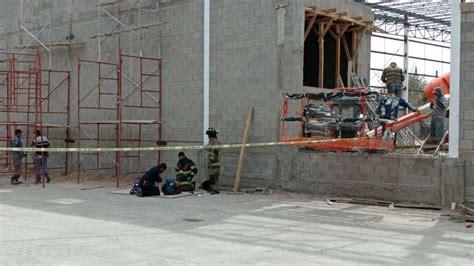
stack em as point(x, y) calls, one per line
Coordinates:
point(346, 48)
point(321, 59)
point(358, 18)
point(418, 206)
point(353, 49)
point(310, 26)
point(359, 41)
point(467, 218)
point(248, 124)
point(180, 195)
point(356, 21)
point(324, 29)
point(329, 10)
point(361, 201)
point(340, 30)
point(338, 58)
point(466, 209)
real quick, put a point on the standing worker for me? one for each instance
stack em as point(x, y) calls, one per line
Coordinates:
point(393, 77)
point(439, 106)
point(213, 161)
point(40, 141)
point(185, 172)
point(17, 156)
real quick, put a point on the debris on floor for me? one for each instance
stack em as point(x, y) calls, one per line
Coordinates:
point(383, 203)
point(265, 191)
point(467, 214)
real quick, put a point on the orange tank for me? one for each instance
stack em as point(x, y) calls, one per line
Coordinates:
point(441, 81)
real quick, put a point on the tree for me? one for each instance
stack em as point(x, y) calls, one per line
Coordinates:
point(416, 85)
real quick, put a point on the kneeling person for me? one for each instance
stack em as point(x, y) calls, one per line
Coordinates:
point(185, 172)
point(145, 186)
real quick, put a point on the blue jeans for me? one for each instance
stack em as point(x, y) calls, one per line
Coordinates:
point(395, 89)
point(41, 163)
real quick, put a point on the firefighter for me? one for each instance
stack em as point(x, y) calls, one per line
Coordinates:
point(213, 161)
point(185, 172)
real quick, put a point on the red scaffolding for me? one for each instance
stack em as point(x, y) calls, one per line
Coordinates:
point(118, 105)
point(33, 98)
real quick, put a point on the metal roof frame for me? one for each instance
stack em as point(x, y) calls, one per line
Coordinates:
point(429, 20)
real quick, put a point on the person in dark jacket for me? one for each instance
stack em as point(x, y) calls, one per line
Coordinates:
point(41, 141)
point(439, 106)
point(147, 182)
point(17, 157)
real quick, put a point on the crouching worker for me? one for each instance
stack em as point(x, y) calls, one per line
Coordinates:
point(185, 172)
point(145, 186)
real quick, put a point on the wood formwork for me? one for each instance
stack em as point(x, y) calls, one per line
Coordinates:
point(336, 24)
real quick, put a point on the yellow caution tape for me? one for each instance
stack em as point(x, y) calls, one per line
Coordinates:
point(170, 148)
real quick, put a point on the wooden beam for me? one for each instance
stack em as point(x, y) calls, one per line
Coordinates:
point(353, 49)
point(341, 17)
point(338, 56)
point(343, 30)
point(357, 18)
point(466, 209)
point(323, 30)
point(467, 218)
point(310, 26)
point(245, 138)
point(346, 48)
point(340, 30)
point(359, 40)
point(330, 10)
point(321, 57)
point(334, 35)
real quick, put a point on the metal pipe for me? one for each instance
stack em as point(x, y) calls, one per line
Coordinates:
point(454, 97)
point(206, 37)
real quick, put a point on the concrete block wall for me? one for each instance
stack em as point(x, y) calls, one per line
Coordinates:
point(466, 104)
point(466, 115)
point(252, 65)
point(178, 40)
point(437, 181)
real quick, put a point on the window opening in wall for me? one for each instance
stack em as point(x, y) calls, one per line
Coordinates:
point(331, 44)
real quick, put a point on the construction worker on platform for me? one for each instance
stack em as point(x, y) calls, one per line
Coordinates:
point(439, 106)
point(393, 77)
point(388, 107)
point(213, 161)
point(185, 172)
point(17, 157)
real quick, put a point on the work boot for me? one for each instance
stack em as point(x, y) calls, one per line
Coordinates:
point(213, 192)
point(48, 179)
point(14, 181)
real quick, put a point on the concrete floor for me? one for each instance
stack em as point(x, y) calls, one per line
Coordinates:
point(66, 225)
